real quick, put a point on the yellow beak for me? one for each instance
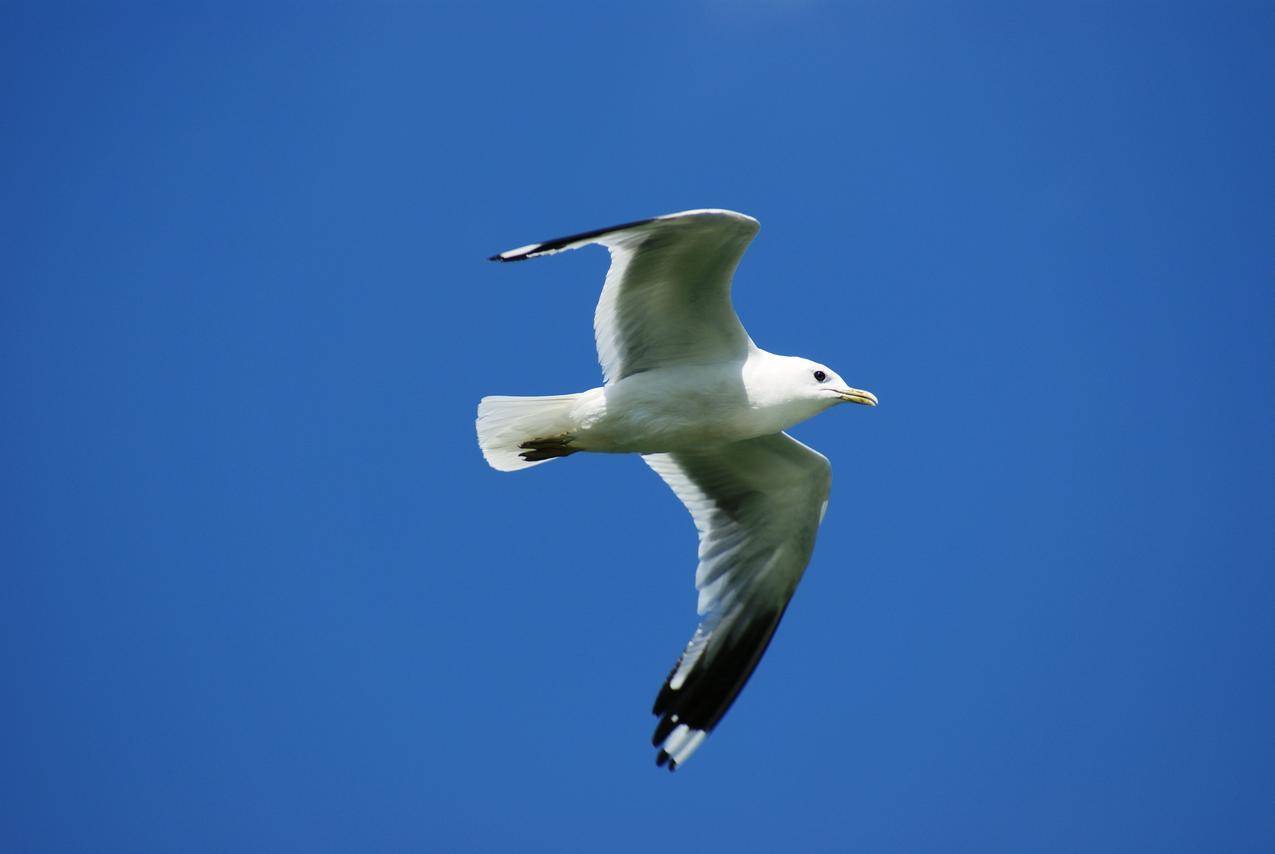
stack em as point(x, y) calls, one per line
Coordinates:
point(854, 395)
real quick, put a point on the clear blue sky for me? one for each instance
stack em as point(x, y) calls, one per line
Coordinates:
point(261, 592)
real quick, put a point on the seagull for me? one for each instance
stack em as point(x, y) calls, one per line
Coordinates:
point(687, 389)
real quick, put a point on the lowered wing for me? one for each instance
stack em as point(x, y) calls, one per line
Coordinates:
point(757, 505)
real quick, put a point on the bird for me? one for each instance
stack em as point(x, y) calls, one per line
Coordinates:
point(686, 388)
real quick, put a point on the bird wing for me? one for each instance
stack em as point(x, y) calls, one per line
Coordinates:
point(667, 294)
point(757, 505)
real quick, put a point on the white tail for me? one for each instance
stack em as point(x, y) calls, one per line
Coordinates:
point(520, 432)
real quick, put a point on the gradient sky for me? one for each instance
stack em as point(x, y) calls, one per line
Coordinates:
point(263, 594)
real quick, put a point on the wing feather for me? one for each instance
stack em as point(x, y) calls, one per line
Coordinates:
point(666, 299)
point(757, 506)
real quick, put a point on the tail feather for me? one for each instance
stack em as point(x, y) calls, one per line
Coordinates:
point(520, 432)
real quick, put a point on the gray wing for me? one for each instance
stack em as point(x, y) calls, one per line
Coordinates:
point(757, 505)
point(667, 294)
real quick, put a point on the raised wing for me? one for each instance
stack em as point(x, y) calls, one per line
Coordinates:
point(667, 294)
point(757, 505)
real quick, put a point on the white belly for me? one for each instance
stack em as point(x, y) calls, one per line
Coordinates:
point(672, 410)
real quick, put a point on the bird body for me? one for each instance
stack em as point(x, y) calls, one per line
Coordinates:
point(706, 408)
point(673, 409)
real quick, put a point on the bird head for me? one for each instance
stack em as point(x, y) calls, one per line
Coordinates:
point(819, 382)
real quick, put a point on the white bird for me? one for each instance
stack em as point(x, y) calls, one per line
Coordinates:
point(706, 408)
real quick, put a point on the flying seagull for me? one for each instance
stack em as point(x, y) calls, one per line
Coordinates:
point(706, 408)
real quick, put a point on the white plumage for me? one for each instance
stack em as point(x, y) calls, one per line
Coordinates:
point(706, 408)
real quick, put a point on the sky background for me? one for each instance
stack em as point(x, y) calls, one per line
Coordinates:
point(261, 592)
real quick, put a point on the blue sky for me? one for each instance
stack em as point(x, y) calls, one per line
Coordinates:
point(262, 593)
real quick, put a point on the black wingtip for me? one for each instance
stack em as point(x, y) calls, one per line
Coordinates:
point(661, 758)
point(548, 247)
point(662, 729)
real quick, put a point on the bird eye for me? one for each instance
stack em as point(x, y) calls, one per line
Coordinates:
point(820, 376)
